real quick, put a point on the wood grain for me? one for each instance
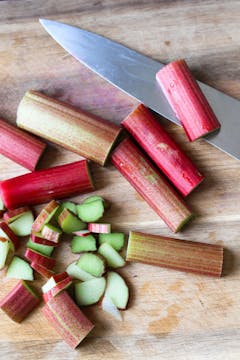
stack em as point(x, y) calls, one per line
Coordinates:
point(172, 315)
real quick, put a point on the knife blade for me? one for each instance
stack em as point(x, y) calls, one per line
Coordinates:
point(135, 73)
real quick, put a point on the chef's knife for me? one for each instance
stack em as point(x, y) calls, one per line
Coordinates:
point(135, 73)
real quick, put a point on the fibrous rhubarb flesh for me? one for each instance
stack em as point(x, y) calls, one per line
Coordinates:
point(117, 290)
point(20, 269)
point(89, 292)
point(69, 222)
point(23, 225)
point(43, 249)
point(187, 100)
point(150, 184)
point(83, 244)
point(44, 185)
point(111, 255)
point(116, 240)
point(162, 149)
point(57, 289)
point(175, 254)
point(94, 264)
point(45, 216)
point(74, 129)
point(76, 272)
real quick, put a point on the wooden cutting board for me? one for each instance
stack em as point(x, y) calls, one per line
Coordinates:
point(172, 315)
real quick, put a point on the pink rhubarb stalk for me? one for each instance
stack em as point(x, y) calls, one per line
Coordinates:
point(47, 184)
point(43, 260)
point(10, 235)
point(20, 146)
point(42, 270)
point(76, 130)
point(161, 148)
point(187, 100)
point(148, 182)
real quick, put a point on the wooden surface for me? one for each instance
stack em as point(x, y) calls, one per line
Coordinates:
point(172, 315)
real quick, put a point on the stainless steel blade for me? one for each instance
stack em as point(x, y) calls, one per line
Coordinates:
point(135, 74)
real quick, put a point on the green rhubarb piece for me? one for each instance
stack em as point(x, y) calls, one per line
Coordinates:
point(4, 249)
point(23, 225)
point(92, 263)
point(51, 233)
point(69, 222)
point(91, 212)
point(83, 243)
point(116, 240)
point(112, 257)
point(70, 206)
point(1, 204)
point(92, 198)
point(20, 269)
point(117, 290)
point(76, 272)
point(89, 292)
point(43, 249)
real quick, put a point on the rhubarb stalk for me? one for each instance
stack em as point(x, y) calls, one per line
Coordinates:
point(148, 182)
point(47, 184)
point(20, 146)
point(74, 129)
point(183, 255)
point(166, 154)
point(187, 100)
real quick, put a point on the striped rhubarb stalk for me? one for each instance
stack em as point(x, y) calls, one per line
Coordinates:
point(166, 154)
point(183, 255)
point(148, 182)
point(20, 146)
point(74, 129)
point(44, 185)
point(99, 228)
point(187, 100)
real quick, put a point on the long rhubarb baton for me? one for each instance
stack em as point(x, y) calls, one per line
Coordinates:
point(44, 185)
point(149, 183)
point(187, 100)
point(175, 254)
point(74, 129)
point(166, 154)
point(20, 146)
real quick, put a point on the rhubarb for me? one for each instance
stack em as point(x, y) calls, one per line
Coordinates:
point(161, 148)
point(43, 249)
point(43, 260)
point(175, 254)
point(148, 182)
point(117, 290)
point(4, 250)
point(94, 264)
point(69, 222)
point(20, 269)
point(53, 281)
point(91, 211)
point(67, 319)
point(44, 185)
point(45, 216)
point(76, 272)
point(6, 232)
point(23, 225)
point(42, 270)
point(19, 302)
point(38, 239)
point(89, 292)
point(99, 228)
point(187, 100)
point(70, 206)
point(12, 215)
point(51, 233)
point(20, 146)
point(57, 289)
point(76, 130)
point(83, 244)
point(116, 240)
point(111, 255)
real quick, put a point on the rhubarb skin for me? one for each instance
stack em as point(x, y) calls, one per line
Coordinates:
point(183, 255)
point(19, 146)
point(36, 257)
point(46, 273)
point(57, 289)
point(76, 130)
point(10, 235)
point(161, 148)
point(67, 319)
point(19, 302)
point(148, 182)
point(44, 185)
point(187, 100)
point(42, 241)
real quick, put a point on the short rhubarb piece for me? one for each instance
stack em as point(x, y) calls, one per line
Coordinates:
point(91, 211)
point(6, 232)
point(4, 250)
point(19, 302)
point(46, 273)
point(92, 198)
point(57, 289)
point(76, 130)
point(51, 233)
point(99, 228)
point(183, 255)
point(187, 99)
point(117, 290)
point(82, 232)
point(162, 149)
point(67, 319)
point(45, 216)
point(43, 249)
point(20, 269)
point(69, 222)
point(56, 278)
point(35, 256)
point(109, 307)
point(114, 260)
point(44, 185)
point(150, 184)
point(19, 146)
point(76, 272)
point(12, 215)
point(23, 225)
point(83, 244)
point(89, 292)
point(116, 240)
point(94, 264)
point(38, 239)
point(70, 206)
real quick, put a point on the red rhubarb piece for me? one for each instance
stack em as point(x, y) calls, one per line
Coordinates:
point(187, 100)
point(35, 256)
point(4, 228)
point(59, 287)
point(42, 270)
